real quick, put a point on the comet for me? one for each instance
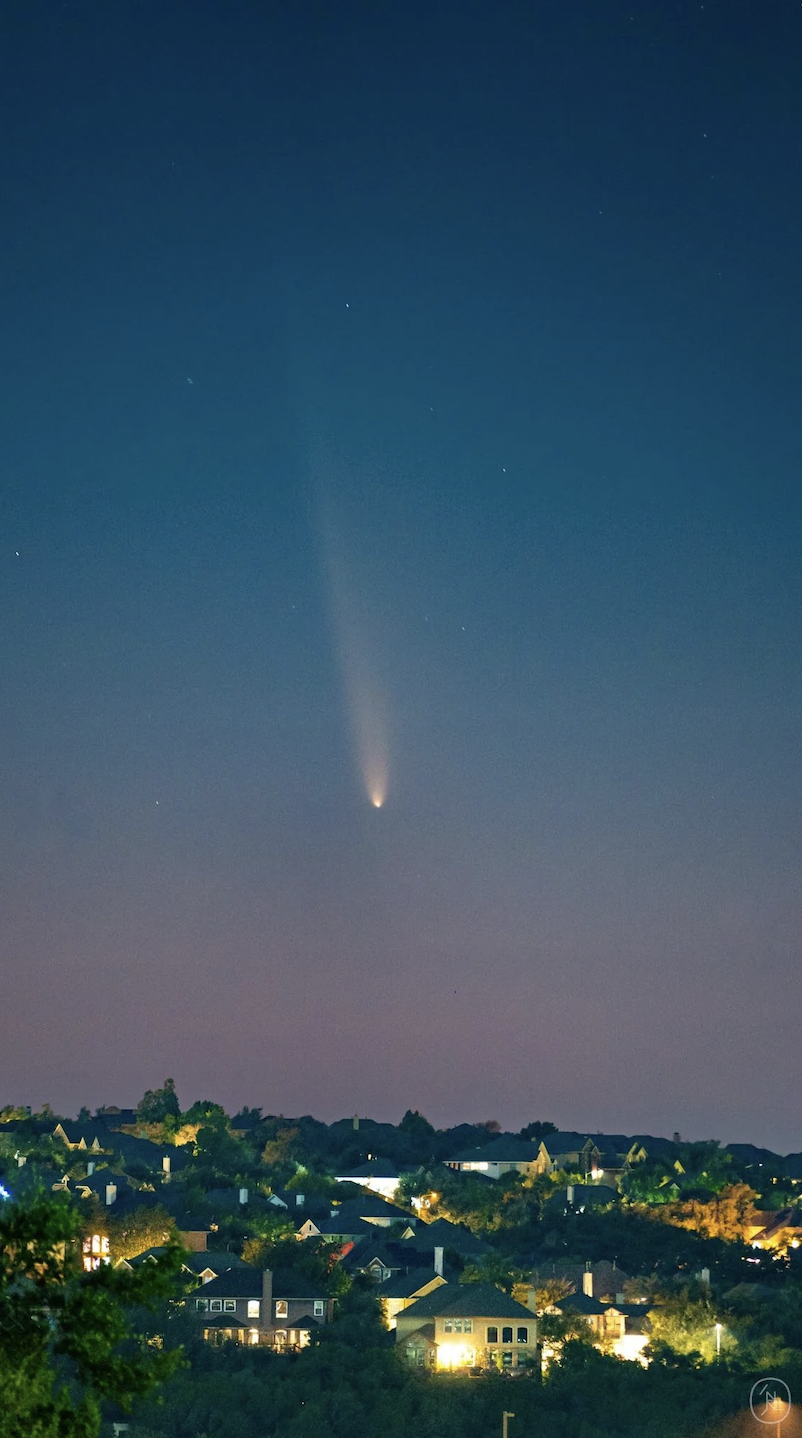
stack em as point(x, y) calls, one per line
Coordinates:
point(363, 693)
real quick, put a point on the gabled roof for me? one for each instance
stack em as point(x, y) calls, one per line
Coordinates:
point(442, 1234)
point(468, 1300)
point(568, 1141)
point(404, 1285)
point(581, 1303)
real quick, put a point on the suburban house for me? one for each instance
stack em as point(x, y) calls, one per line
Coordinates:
point(777, 1230)
point(576, 1152)
point(603, 1280)
point(244, 1305)
point(502, 1155)
point(618, 1328)
point(467, 1325)
point(354, 1218)
point(376, 1174)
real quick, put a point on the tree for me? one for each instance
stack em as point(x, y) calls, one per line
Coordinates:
point(727, 1215)
point(158, 1104)
point(132, 1233)
point(537, 1130)
point(685, 1322)
point(67, 1338)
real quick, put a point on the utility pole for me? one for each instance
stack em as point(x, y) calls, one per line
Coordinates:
point(505, 1418)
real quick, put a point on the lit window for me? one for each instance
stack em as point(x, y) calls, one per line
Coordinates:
point(229, 1305)
point(523, 1335)
point(318, 1309)
point(467, 1325)
point(216, 1305)
point(281, 1308)
point(506, 1359)
point(254, 1307)
point(506, 1334)
point(202, 1305)
point(492, 1334)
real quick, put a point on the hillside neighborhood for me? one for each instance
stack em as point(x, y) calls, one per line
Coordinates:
point(487, 1251)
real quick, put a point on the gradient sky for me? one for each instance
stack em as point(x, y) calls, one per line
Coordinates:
point(426, 376)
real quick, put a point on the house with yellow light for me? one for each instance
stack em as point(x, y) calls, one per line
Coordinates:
point(467, 1325)
point(776, 1231)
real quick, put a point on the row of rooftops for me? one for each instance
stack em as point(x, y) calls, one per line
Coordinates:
point(104, 1133)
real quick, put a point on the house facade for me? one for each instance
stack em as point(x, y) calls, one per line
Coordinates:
point(278, 1309)
point(467, 1325)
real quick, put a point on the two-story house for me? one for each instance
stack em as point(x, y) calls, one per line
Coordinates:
point(467, 1325)
point(275, 1308)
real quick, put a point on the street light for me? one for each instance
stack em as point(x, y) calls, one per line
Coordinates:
point(505, 1417)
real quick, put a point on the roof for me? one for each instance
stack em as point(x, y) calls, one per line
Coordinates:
point(373, 1168)
point(404, 1285)
point(425, 1334)
point(504, 1149)
point(572, 1142)
point(581, 1303)
point(442, 1234)
point(468, 1300)
point(247, 1283)
point(365, 1204)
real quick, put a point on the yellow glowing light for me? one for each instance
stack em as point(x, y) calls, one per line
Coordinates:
point(377, 800)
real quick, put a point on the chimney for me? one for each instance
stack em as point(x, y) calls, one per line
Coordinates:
point(243, 1195)
point(587, 1281)
point(111, 1194)
point(166, 1165)
point(704, 1277)
point(531, 1298)
point(300, 1199)
point(676, 1138)
point(438, 1259)
point(267, 1299)
point(356, 1121)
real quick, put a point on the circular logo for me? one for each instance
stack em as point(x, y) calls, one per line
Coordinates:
point(770, 1400)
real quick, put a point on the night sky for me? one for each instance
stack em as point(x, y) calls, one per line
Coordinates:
point(402, 402)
